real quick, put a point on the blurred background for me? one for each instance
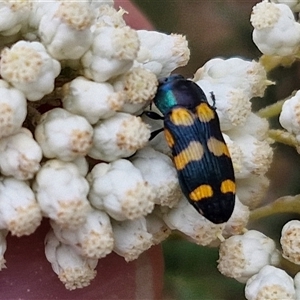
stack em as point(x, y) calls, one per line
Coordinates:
point(221, 28)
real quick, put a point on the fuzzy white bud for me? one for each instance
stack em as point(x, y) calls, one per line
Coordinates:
point(276, 32)
point(131, 238)
point(242, 256)
point(20, 155)
point(62, 193)
point(92, 100)
point(120, 190)
point(73, 270)
point(94, 239)
point(19, 210)
point(29, 68)
point(270, 283)
point(63, 135)
point(119, 136)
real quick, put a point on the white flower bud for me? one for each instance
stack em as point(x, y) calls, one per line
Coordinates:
point(63, 135)
point(13, 109)
point(139, 85)
point(270, 283)
point(65, 32)
point(112, 53)
point(93, 239)
point(3, 234)
point(73, 270)
point(120, 190)
point(109, 16)
point(232, 104)
point(184, 218)
point(20, 155)
point(158, 170)
point(242, 256)
point(290, 115)
point(62, 193)
point(252, 189)
point(161, 53)
point(119, 136)
point(290, 241)
point(254, 125)
point(157, 227)
point(19, 210)
point(12, 15)
point(131, 238)
point(249, 76)
point(256, 156)
point(29, 68)
point(92, 100)
point(238, 220)
point(276, 31)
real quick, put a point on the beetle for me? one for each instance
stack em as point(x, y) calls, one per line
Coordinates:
point(200, 154)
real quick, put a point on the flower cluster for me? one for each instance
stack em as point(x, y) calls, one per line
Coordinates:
point(74, 145)
point(253, 258)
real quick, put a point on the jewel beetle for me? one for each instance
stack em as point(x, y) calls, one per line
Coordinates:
point(200, 154)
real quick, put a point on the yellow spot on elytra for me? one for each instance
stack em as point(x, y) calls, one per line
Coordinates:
point(194, 151)
point(227, 186)
point(169, 138)
point(217, 147)
point(204, 112)
point(201, 192)
point(181, 116)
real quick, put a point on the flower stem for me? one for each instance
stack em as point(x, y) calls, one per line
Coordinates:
point(272, 110)
point(286, 204)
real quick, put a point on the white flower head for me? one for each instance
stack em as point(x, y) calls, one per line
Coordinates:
point(73, 270)
point(254, 125)
point(13, 109)
point(233, 106)
point(120, 190)
point(256, 156)
point(12, 16)
point(62, 193)
point(290, 241)
point(161, 53)
point(19, 210)
point(94, 239)
point(139, 85)
point(270, 283)
point(112, 53)
point(242, 256)
point(131, 238)
point(109, 16)
point(157, 227)
point(184, 218)
point(92, 100)
point(29, 68)
point(290, 115)
point(119, 136)
point(276, 31)
point(63, 135)
point(250, 76)
point(158, 170)
point(20, 155)
point(66, 32)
